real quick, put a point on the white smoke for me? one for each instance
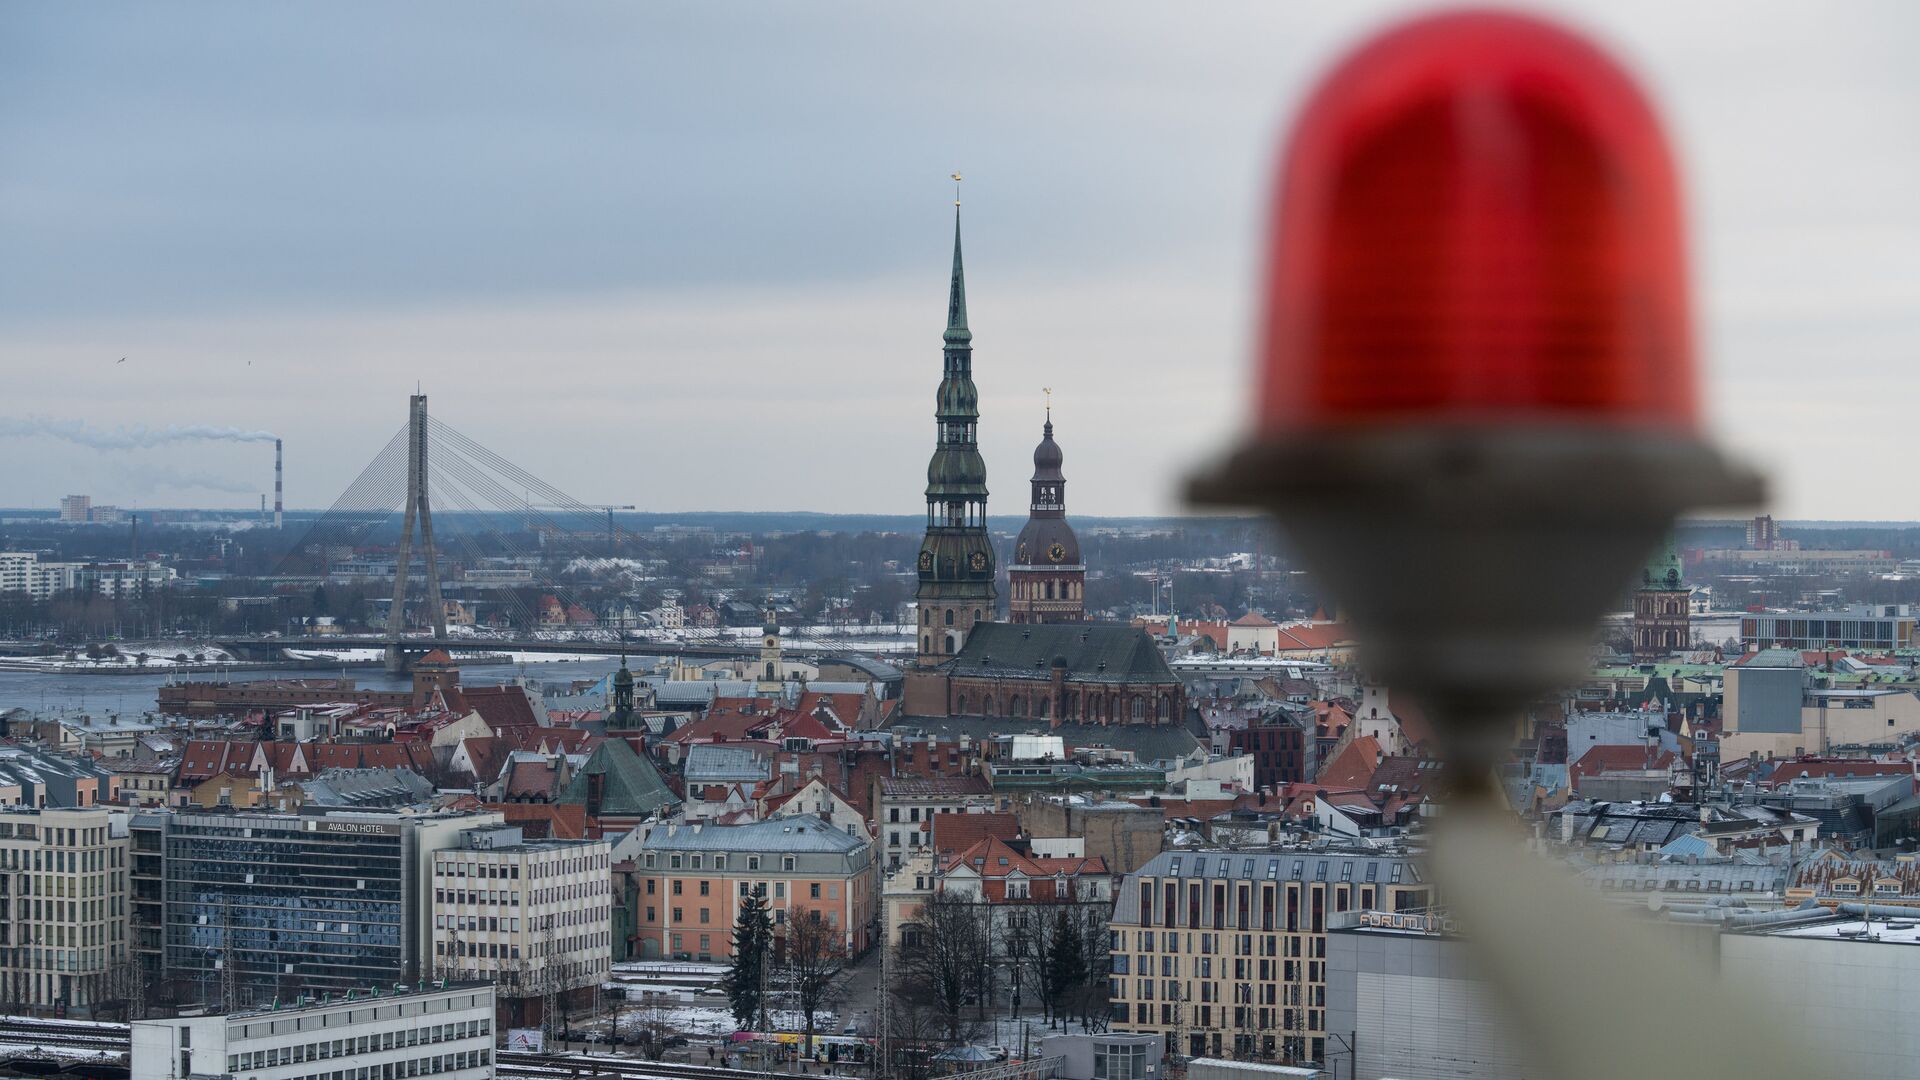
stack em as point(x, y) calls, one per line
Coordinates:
point(124, 438)
point(136, 476)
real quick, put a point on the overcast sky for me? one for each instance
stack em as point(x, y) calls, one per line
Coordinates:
point(694, 256)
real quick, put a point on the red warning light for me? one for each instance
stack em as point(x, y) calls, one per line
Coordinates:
point(1478, 219)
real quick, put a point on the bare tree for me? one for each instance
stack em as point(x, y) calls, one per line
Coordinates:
point(814, 953)
point(1094, 998)
point(916, 1023)
point(944, 967)
point(652, 1025)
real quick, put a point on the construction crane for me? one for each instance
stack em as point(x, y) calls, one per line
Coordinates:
point(609, 509)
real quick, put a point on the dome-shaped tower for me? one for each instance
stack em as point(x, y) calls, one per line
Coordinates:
point(1047, 581)
point(1661, 616)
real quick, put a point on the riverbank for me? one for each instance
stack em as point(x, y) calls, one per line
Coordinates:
point(89, 667)
point(134, 692)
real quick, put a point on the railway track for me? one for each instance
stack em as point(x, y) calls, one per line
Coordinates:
point(549, 1066)
point(98, 1037)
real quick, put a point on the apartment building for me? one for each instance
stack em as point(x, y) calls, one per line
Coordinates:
point(63, 908)
point(692, 878)
point(1225, 952)
point(439, 1031)
point(1874, 627)
point(905, 807)
point(22, 571)
point(525, 915)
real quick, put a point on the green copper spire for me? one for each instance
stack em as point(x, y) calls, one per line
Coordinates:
point(956, 587)
point(957, 332)
point(1663, 570)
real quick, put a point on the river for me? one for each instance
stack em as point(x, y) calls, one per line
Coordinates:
point(135, 694)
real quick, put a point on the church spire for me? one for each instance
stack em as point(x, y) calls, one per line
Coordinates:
point(957, 332)
point(956, 587)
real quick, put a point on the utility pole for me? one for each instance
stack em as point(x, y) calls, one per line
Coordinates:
point(884, 1037)
point(417, 508)
point(549, 980)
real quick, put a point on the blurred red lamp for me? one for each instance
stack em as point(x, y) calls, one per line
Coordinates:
point(1477, 220)
point(1476, 404)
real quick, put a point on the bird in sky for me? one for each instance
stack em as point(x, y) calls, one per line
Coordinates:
point(122, 360)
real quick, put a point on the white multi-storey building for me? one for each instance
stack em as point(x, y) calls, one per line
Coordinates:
point(23, 572)
point(17, 571)
point(522, 914)
point(441, 1031)
point(63, 915)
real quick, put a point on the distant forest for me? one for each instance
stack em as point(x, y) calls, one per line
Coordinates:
point(1900, 538)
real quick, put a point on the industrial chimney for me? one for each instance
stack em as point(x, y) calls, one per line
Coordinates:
point(277, 511)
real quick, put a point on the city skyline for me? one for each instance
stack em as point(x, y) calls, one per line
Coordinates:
point(709, 224)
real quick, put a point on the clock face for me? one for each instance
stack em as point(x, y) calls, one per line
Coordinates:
point(926, 560)
point(978, 561)
point(1057, 552)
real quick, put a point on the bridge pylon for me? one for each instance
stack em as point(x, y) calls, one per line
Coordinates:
point(418, 509)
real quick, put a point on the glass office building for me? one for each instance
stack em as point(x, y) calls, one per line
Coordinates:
point(298, 903)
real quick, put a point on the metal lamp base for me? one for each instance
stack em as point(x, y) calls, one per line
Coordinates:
point(1474, 564)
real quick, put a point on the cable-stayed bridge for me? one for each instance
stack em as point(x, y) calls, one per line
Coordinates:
point(471, 519)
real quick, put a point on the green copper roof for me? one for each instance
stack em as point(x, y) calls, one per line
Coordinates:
point(1663, 569)
point(956, 559)
point(632, 786)
point(957, 332)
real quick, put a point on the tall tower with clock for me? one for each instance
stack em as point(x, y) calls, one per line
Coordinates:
point(1047, 581)
point(956, 565)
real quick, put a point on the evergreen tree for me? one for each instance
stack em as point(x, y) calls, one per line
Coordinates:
point(1068, 962)
point(752, 938)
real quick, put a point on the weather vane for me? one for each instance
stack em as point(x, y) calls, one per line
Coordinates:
point(1048, 390)
point(956, 189)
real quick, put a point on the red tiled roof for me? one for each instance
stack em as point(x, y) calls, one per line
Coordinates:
point(1400, 777)
point(545, 821)
point(547, 740)
point(1314, 636)
point(203, 759)
point(1330, 719)
point(841, 709)
point(1254, 618)
point(992, 857)
point(1794, 768)
point(488, 754)
point(808, 726)
point(501, 706)
point(322, 756)
point(1353, 766)
point(1413, 720)
point(957, 832)
point(1613, 759)
point(531, 780)
point(723, 724)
